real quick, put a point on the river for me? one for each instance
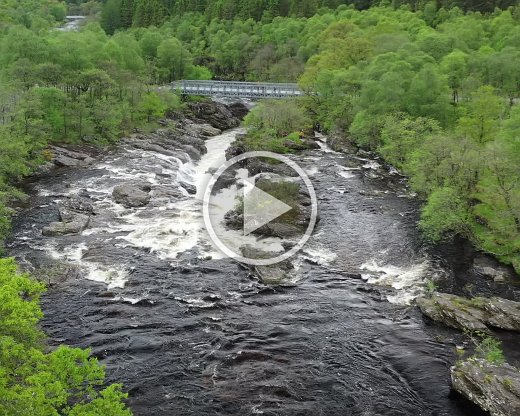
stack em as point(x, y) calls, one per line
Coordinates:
point(190, 332)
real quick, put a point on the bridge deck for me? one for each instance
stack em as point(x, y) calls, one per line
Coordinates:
point(237, 89)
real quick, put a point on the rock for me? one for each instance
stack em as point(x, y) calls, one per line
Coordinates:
point(68, 158)
point(206, 130)
point(280, 230)
point(194, 153)
point(78, 205)
point(238, 109)
point(191, 189)
point(216, 114)
point(234, 220)
point(478, 314)
point(74, 215)
point(132, 196)
point(488, 267)
point(65, 161)
point(73, 225)
point(340, 143)
point(275, 274)
point(495, 388)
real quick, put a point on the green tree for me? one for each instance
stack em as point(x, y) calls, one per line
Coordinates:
point(483, 114)
point(111, 16)
point(173, 59)
point(152, 106)
point(65, 381)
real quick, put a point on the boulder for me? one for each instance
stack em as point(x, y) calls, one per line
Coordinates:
point(489, 268)
point(238, 109)
point(69, 158)
point(216, 114)
point(478, 314)
point(194, 153)
point(340, 143)
point(74, 214)
point(191, 189)
point(132, 195)
point(76, 204)
point(74, 224)
point(274, 274)
point(205, 130)
point(494, 388)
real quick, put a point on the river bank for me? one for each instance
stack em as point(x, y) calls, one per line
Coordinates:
point(189, 332)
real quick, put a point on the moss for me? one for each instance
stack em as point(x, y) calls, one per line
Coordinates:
point(507, 383)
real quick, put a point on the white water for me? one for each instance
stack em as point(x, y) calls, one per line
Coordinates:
point(170, 226)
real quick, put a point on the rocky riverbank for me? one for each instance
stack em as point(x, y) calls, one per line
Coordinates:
point(182, 137)
point(493, 387)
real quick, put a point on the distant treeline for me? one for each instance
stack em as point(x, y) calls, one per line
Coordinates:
point(141, 13)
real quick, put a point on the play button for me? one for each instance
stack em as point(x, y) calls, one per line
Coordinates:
point(256, 208)
point(260, 208)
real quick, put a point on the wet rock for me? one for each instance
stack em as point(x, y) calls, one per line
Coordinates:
point(478, 314)
point(68, 158)
point(275, 274)
point(234, 220)
point(190, 188)
point(80, 205)
point(152, 147)
point(74, 224)
point(74, 215)
point(489, 268)
point(495, 388)
point(340, 143)
point(172, 191)
point(280, 230)
point(238, 109)
point(216, 114)
point(194, 153)
point(132, 195)
point(205, 130)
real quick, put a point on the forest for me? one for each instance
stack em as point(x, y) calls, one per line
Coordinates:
point(432, 87)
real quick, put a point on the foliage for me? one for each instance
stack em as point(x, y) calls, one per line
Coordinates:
point(65, 381)
point(490, 349)
point(280, 117)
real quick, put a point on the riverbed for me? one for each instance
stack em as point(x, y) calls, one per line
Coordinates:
point(190, 332)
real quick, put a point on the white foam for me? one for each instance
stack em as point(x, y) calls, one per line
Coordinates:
point(408, 281)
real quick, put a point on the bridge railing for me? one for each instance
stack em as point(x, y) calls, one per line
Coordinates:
point(237, 89)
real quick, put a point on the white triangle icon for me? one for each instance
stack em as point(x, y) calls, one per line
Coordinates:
point(260, 208)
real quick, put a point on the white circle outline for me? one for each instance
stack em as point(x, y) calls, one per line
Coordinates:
point(230, 253)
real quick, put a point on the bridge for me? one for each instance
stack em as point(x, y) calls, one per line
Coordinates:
point(237, 89)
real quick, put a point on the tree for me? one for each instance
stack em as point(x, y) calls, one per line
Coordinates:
point(173, 59)
point(454, 66)
point(127, 13)
point(149, 13)
point(278, 117)
point(401, 135)
point(446, 214)
point(152, 106)
point(65, 381)
point(483, 113)
point(111, 16)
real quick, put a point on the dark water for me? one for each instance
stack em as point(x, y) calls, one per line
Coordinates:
point(188, 335)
